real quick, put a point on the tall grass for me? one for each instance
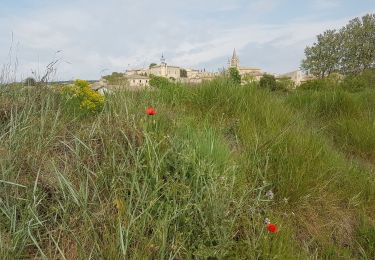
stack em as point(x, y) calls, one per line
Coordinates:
point(190, 182)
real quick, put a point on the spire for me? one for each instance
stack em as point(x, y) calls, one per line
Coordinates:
point(235, 61)
point(234, 57)
point(162, 59)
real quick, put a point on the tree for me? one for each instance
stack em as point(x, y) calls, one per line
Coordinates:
point(234, 75)
point(183, 73)
point(359, 45)
point(324, 56)
point(152, 65)
point(268, 81)
point(348, 51)
point(30, 81)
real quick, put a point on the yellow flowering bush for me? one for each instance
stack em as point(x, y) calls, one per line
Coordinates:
point(81, 96)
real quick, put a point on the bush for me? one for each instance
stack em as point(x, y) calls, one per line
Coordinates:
point(315, 84)
point(357, 82)
point(80, 97)
point(30, 81)
point(159, 82)
point(285, 84)
point(234, 75)
point(268, 81)
point(116, 78)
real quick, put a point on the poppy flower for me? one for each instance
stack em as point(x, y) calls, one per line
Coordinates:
point(150, 111)
point(272, 228)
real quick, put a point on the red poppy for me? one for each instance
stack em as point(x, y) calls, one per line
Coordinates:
point(272, 228)
point(150, 111)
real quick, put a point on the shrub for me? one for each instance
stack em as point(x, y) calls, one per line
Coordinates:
point(314, 84)
point(116, 78)
point(183, 73)
point(357, 82)
point(234, 75)
point(159, 82)
point(268, 81)
point(82, 98)
point(30, 81)
point(285, 84)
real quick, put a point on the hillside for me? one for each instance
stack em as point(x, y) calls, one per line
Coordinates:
point(192, 181)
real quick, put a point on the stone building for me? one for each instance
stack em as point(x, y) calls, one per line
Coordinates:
point(192, 76)
point(135, 80)
point(234, 62)
point(297, 76)
point(161, 70)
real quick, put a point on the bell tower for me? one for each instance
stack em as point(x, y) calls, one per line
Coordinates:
point(163, 66)
point(235, 61)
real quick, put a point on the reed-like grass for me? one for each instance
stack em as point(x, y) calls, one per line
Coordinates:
point(190, 182)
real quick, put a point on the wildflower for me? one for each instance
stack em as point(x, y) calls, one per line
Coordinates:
point(267, 221)
point(150, 111)
point(270, 195)
point(272, 228)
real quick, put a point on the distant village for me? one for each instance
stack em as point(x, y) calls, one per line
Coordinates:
point(140, 78)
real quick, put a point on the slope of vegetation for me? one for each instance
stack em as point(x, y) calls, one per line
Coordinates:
point(192, 180)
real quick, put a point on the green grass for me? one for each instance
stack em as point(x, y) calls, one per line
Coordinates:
point(190, 182)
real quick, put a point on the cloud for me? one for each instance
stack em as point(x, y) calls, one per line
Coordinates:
point(117, 35)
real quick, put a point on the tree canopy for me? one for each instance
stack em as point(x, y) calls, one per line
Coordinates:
point(348, 50)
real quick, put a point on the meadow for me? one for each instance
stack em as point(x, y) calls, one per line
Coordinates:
point(192, 181)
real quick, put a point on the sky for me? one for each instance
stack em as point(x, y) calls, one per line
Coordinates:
point(91, 38)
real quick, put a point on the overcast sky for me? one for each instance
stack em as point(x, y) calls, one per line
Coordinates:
point(96, 37)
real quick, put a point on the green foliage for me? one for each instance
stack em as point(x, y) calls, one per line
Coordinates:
point(268, 81)
point(352, 82)
point(323, 57)
point(152, 65)
point(81, 98)
point(183, 73)
point(234, 75)
point(191, 182)
point(285, 84)
point(350, 50)
point(314, 84)
point(116, 78)
point(358, 52)
point(361, 81)
point(30, 81)
point(159, 82)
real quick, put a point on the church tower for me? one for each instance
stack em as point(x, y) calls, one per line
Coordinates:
point(162, 60)
point(235, 61)
point(163, 66)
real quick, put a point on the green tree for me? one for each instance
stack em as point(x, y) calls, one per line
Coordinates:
point(152, 65)
point(268, 81)
point(234, 75)
point(323, 57)
point(30, 81)
point(348, 51)
point(359, 45)
point(183, 73)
